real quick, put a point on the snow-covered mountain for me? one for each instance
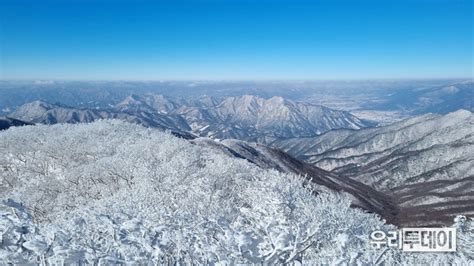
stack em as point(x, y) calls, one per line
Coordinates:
point(46, 113)
point(426, 163)
point(113, 192)
point(441, 99)
point(253, 118)
point(7, 122)
point(446, 99)
point(248, 117)
point(373, 99)
point(152, 111)
point(383, 168)
point(361, 195)
point(147, 103)
point(245, 117)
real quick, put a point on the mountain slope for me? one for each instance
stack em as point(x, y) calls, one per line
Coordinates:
point(253, 118)
point(361, 195)
point(7, 122)
point(111, 192)
point(250, 117)
point(147, 103)
point(442, 99)
point(246, 117)
point(426, 163)
point(428, 136)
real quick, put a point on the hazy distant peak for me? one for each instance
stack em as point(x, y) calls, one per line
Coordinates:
point(40, 104)
point(461, 113)
point(244, 99)
point(147, 103)
point(30, 110)
point(133, 97)
point(131, 100)
point(276, 99)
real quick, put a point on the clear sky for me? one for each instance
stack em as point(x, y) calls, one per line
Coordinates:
point(83, 39)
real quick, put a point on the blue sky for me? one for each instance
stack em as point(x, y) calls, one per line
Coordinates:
point(235, 39)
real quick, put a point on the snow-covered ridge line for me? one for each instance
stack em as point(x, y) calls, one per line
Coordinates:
point(246, 117)
point(425, 163)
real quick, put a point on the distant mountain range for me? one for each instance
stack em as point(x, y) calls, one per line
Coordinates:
point(246, 117)
point(426, 163)
point(46, 113)
point(432, 99)
point(410, 97)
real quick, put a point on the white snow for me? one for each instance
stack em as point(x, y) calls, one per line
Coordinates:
point(129, 194)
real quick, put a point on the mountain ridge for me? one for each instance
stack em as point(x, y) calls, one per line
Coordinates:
point(425, 163)
point(245, 117)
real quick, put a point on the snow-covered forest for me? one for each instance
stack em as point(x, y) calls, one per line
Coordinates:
point(114, 192)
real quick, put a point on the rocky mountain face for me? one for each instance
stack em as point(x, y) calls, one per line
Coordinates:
point(246, 117)
point(425, 163)
point(7, 122)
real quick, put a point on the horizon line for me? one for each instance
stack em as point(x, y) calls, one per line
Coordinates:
point(231, 80)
